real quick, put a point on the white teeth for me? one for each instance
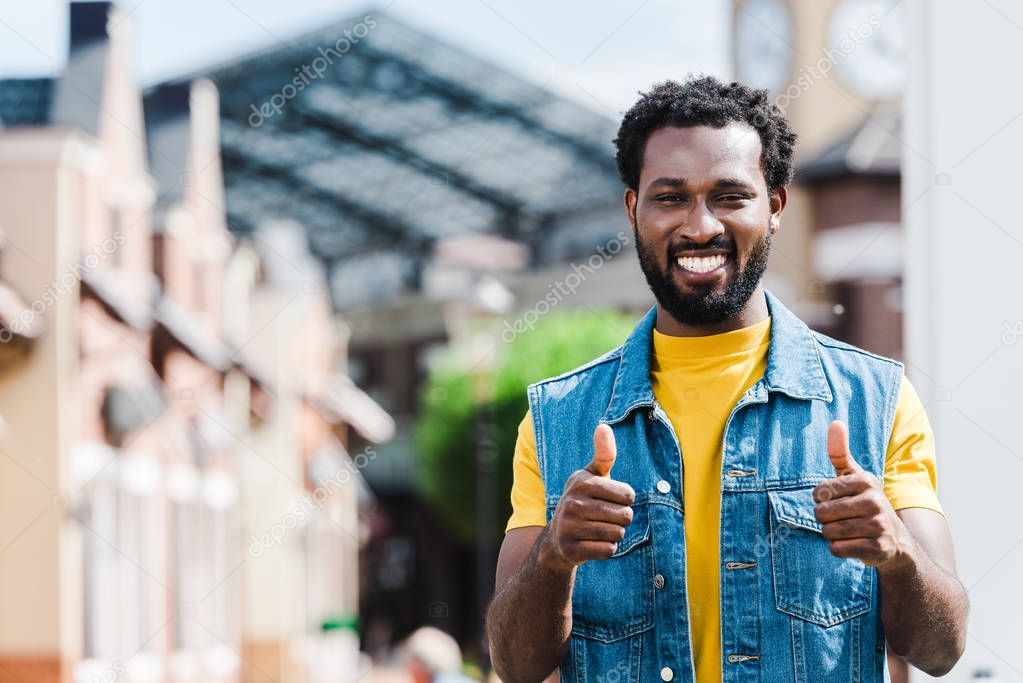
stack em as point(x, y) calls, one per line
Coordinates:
point(701, 264)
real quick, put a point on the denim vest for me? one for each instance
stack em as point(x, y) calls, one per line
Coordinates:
point(790, 611)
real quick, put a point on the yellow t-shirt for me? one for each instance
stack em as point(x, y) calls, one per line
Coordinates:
point(698, 380)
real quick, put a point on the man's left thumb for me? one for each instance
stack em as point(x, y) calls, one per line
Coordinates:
point(838, 449)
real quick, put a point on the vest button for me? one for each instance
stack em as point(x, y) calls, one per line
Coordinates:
point(658, 581)
point(667, 674)
point(663, 487)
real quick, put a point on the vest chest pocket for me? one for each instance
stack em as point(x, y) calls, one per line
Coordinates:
point(614, 598)
point(810, 582)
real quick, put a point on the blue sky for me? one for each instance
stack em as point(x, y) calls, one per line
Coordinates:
point(598, 54)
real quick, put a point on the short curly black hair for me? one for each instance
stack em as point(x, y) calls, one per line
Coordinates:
point(706, 101)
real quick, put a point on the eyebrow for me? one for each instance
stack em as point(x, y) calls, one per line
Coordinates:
point(681, 183)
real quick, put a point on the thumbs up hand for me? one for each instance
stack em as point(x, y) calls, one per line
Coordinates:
point(594, 509)
point(858, 519)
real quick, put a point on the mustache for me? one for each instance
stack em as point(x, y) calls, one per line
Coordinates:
point(716, 243)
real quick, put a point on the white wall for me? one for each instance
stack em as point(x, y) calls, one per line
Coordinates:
point(964, 297)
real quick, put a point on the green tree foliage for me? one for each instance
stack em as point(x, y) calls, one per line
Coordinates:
point(446, 434)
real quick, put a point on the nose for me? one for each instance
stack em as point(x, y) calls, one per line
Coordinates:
point(701, 225)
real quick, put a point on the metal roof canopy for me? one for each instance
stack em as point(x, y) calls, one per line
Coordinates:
point(401, 141)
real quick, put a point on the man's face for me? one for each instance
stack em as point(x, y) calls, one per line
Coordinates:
point(703, 220)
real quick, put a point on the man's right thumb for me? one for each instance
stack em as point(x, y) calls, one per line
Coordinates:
point(604, 451)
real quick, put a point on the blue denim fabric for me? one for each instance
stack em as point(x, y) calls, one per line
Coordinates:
point(790, 610)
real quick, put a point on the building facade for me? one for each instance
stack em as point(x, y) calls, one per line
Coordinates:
point(149, 369)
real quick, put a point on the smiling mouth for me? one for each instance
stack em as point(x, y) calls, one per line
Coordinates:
point(701, 264)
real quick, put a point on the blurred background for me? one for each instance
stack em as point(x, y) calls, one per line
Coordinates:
point(274, 277)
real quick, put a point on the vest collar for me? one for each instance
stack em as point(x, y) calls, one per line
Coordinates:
point(793, 363)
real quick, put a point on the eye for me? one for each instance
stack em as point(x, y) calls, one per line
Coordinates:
point(733, 198)
point(669, 197)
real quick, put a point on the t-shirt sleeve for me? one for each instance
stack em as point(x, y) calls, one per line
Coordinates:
point(528, 499)
point(910, 472)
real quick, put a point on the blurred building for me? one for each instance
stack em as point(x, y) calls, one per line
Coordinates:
point(304, 522)
point(157, 369)
point(427, 181)
point(75, 209)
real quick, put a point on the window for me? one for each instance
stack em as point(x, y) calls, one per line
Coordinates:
point(96, 513)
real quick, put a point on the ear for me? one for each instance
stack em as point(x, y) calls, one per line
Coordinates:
point(630, 200)
point(779, 198)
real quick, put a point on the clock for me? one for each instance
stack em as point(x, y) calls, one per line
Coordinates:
point(867, 43)
point(763, 44)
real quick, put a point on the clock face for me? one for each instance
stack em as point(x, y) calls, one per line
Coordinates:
point(763, 43)
point(867, 42)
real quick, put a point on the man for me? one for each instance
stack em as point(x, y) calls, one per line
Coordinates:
point(433, 656)
point(728, 496)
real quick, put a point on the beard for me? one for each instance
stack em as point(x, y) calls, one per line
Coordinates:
point(708, 307)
